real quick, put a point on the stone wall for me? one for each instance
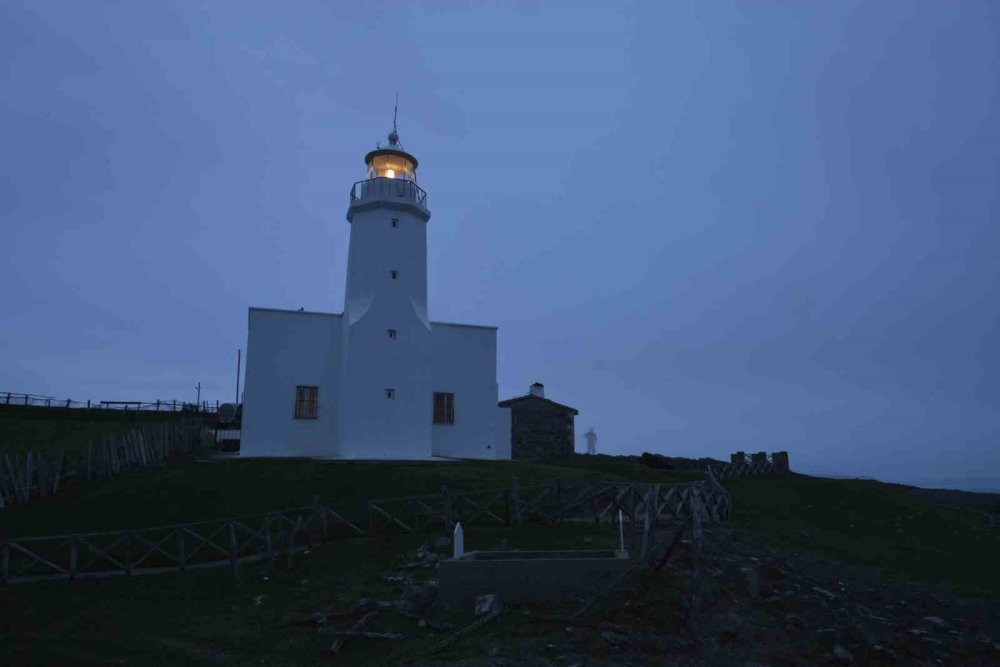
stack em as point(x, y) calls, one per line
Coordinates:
point(778, 459)
point(540, 430)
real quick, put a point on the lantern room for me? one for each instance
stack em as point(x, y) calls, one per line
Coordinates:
point(391, 161)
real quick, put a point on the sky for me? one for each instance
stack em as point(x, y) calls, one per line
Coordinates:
point(709, 226)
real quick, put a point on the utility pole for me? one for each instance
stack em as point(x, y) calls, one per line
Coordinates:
point(239, 359)
point(198, 387)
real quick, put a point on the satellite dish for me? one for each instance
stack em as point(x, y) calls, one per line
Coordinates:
point(227, 412)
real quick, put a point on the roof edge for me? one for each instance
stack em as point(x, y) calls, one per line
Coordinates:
point(294, 312)
point(517, 399)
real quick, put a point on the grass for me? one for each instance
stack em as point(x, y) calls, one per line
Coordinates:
point(47, 430)
point(885, 527)
point(189, 490)
point(202, 618)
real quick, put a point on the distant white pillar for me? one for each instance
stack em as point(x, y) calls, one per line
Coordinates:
point(459, 540)
point(591, 438)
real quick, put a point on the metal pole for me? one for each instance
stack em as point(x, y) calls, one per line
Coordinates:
point(198, 387)
point(239, 358)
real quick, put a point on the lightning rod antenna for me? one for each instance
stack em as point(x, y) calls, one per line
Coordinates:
point(394, 110)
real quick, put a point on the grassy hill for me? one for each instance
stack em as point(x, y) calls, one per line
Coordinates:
point(200, 617)
point(889, 527)
point(47, 430)
point(189, 490)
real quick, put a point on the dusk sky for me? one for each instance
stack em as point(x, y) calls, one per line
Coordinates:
point(708, 226)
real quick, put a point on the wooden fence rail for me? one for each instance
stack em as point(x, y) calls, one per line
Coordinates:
point(34, 400)
point(145, 445)
point(229, 542)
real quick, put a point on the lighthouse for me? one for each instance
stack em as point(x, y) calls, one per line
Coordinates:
point(385, 387)
point(380, 380)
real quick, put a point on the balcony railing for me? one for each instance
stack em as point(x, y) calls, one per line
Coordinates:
point(388, 188)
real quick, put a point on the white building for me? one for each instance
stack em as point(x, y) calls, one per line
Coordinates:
point(380, 380)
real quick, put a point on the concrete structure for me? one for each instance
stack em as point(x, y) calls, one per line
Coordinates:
point(380, 380)
point(540, 428)
point(523, 576)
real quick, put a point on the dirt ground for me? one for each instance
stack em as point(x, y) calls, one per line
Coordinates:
point(761, 606)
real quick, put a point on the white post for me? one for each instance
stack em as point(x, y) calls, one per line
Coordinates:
point(621, 531)
point(459, 540)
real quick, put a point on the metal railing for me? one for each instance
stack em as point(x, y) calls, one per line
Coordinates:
point(395, 188)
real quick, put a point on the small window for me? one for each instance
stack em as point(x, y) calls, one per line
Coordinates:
point(444, 408)
point(392, 334)
point(390, 394)
point(305, 402)
point(395, 222)
point(395, 274)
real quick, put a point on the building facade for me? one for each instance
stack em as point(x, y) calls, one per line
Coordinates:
point(540, 428)
point(380, 380)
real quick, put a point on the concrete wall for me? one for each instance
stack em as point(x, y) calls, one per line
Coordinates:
point(285, 349)
point(465, 364)
point(372, 425)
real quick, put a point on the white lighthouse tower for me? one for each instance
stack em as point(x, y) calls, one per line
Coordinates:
point(385, 385)
point(380, 380)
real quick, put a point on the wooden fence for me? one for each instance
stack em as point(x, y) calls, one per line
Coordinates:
point(34, 400)
point(229, 542)
point(144, 445)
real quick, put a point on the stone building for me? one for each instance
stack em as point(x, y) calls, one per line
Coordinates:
point(539, 428)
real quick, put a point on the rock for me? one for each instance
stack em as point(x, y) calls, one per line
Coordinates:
point(917, 632)
point(394, 579)
point(364, 603)
point(792, 622)
point(825, 593)
point(936, 621)
point(433, 625)
point(613, 638)
point(828, 637)
point(841, 655)
point(441, 543)
point(418, 595)
point(883, 653)
point(752, 583)
point(385, 605)
point(486, 604)
point(805, 534)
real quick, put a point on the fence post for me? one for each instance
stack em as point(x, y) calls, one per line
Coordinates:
point(652, 494)
point(157, 405)
point(291, 541)
point(73, 556)
point(447, 508)
point(234, 553)
point(267, 537)
point(506, 507)
point(515, 490)
point(88, 403)
point(128, 554)
point(321, 515)
point(696, 554)
point(181, 556)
